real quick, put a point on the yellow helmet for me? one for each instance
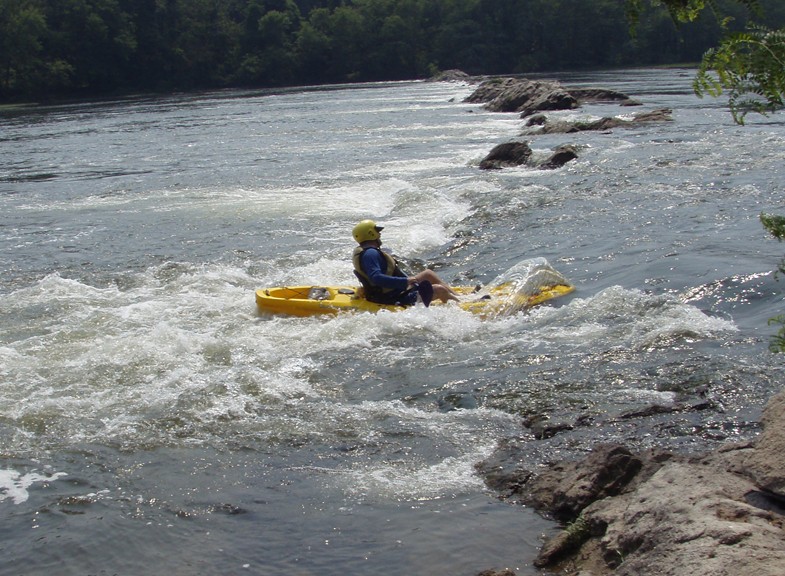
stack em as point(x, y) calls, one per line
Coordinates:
point(366, 230)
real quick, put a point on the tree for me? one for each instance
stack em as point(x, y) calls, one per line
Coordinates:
point(24, 67)
point(347, 28)
point(21, 28)
point(95, 37)
point(748, 65)
point(314, 47)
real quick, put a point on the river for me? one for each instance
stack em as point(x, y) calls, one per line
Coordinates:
point(151, 421)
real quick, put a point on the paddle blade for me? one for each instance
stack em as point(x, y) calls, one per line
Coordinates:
point(425, 290)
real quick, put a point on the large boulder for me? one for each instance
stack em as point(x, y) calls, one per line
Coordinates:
point(567, 488)
point(766, 465)
point(511, 154)
point(627, 514)
point(688, 518)
point(602, 95)
point(524, 96)
point(506, 155)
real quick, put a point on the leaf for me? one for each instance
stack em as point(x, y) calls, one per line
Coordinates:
point(750, 67)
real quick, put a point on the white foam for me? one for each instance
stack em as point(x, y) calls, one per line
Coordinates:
point(618, 315)
point(14, 485)
point(471, 435)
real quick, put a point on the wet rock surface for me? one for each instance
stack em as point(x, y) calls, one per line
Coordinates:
point(541, 124)
point(523, 96)
point(511, 154)
point(530, 98)
point(628, 512)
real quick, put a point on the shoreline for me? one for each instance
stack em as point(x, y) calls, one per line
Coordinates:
point(712, 512)
point(624, 514)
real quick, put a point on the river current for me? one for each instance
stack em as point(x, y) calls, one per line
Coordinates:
point(151, 421)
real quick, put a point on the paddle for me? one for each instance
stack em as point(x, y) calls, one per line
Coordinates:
point(425, 290)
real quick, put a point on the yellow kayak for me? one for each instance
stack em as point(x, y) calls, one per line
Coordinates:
point(528, 283)
point(317, 300)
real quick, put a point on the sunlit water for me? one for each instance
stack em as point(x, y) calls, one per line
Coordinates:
point(152, 422)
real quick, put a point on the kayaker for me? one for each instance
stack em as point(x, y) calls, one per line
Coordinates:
point(381, 275)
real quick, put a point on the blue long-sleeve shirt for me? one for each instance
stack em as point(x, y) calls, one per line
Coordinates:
point(375, 265)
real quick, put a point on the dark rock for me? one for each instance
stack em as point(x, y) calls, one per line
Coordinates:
point(450, 76)
point(507, 154)
point(602, 95)
point(507, 483)
point(650, 410)
point(659, 115)
point(489, 90)
point(519, 153)
point(547, 126)
point(766, 465)
point(520, 95)
point(565, 489)
point(542, 429)
point(560, 157)
point(554, 99)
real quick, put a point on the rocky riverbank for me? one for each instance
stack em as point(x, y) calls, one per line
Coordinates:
point(628, 514)
point(626, 511)
point(638, 513)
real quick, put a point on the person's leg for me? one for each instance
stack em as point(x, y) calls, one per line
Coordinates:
point(443, 293)
point(434, 279)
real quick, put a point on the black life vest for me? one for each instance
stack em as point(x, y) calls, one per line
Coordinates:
point(375, 293)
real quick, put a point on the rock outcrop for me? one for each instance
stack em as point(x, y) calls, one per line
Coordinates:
point(528, 97)
point(602, 95)
point(721, 514)
point(505, 155)
point(511, 154)
point(450, 76)
point(541, 124)
point(766, 464)
point(524, 96)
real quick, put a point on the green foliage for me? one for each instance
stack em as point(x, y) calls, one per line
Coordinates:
point(750, 66)
point(52, 48)
point(578, 532)
point(684, 10)
point(777, 344)
point(776, 226)
point(22, 28)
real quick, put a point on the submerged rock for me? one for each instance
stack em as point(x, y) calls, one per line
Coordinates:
point(545, 125)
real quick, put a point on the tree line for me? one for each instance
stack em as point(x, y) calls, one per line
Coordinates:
point(79, 48)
